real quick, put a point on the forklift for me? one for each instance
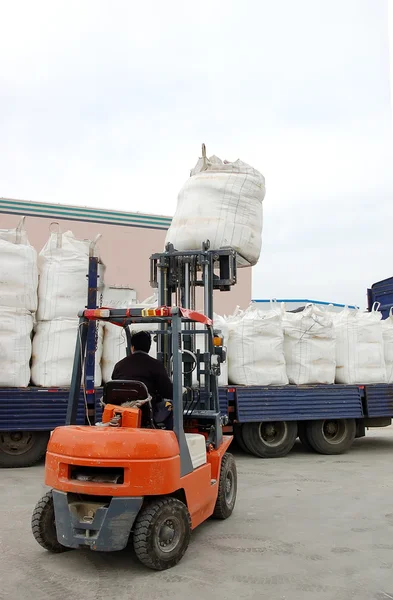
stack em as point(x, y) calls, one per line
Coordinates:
point(127, 480)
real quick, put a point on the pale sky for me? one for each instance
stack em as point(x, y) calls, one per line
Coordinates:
point(106, 104)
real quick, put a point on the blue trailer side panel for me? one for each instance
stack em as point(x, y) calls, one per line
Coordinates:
point(298, 403)
point(379, 400)
point(37, 409)
point(381, 292)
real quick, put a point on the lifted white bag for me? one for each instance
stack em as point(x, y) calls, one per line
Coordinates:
point(222, 203)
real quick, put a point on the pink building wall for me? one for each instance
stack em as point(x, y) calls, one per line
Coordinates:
point(125, 250)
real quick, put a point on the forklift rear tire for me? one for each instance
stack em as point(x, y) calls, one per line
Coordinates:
point(162, 533)
point(238, 435)
point(227, 488)
point(43, 525)
point(22, 448)
point(331, 436)
point(270, 439)
point(302, 433)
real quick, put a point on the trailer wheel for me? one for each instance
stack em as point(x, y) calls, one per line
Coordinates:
point(43, 525)
point(302, 433)
point(227, 488)
point(238, 434)
point(270, 439)
point(22, 448)
point(162, 533)
point(331, 436)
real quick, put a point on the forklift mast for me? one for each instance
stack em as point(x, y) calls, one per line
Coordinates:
point(177, 276)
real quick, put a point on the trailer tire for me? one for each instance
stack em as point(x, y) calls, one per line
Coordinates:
point(302, 433)
point(331, 436)
point(270, 439)
point(238, 435)
point(22, 448)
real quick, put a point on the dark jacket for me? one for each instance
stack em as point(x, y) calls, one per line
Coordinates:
point(142, 367)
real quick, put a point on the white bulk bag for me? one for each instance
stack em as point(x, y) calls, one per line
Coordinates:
point(222, 203)
point(359, 347)
point(63, 267)
point(53, 353)
point(220, 324)
point(115, 342)
point(256, 348)
point(15, 347)
point(18, 269)
point(309, 346)
point(387, 332)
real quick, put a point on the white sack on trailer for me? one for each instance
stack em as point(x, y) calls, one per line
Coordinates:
point(18, 269)
point(63, 267)
point(359, 347)
point(53, 352)
point(387, 332)
point(221, 202)
point(115, 342)
point(256, 348)
point(15, 347)
point(309, 346)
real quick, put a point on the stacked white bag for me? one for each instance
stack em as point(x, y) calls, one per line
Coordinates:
point(18, 269)
point(115, 342)
point(256, 348)
point(18, 300)
point(63, 267)
point(309, 346)
point(387, 332)
point(114, 348)
point(359, 347)
point(222, 203)
point(53, 352)
point(15, 346)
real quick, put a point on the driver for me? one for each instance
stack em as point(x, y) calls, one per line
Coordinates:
point(140, 366)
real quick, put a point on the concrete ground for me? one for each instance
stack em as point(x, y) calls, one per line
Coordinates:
point(305, 527)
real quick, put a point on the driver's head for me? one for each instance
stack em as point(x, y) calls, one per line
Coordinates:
point(140, 341)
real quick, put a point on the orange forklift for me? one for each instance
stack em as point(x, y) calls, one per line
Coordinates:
point(128, 480)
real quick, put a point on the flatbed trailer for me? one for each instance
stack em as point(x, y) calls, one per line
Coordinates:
point(266, 421)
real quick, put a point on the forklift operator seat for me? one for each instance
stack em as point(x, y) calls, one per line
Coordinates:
point(119, 391)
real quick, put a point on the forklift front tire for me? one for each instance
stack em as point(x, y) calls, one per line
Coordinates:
point(227, 488)
point(43, 525)
point(162, 533)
